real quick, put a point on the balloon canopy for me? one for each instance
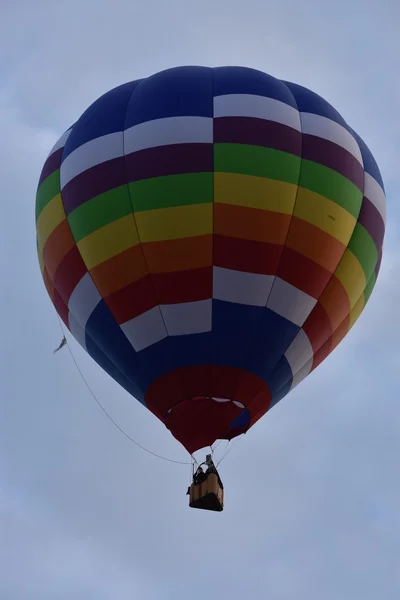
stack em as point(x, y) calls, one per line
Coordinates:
point(209, 236)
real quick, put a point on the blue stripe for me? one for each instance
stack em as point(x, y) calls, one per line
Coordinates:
point(280, 381)
point(247, 337)
point(242, 80)
point(242, 420)
point(177, 351)
point(274, 336)
point(109, 338)
point(234, 327)
point(178, 92)
point(370, 165)
point(106, 115)
point(310, 102)
point(109, 367)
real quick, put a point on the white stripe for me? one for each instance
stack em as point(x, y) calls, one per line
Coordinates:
point(374, 193)
point(187, 318)
point(299, 352)
point(223, 400)
point(302, 374)
point(91, 154)
point(167, 131)
point(84, 300)
point(290, 302)
point(330, 130)
point(61, 142)
point(257, 107)
point(146, 329)
point(77, 331)
point(239, 404)
point(241, 287)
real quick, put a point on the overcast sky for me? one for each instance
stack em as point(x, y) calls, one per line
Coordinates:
point(313, 491)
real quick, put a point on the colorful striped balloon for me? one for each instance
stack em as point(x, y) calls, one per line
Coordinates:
point(209, 236)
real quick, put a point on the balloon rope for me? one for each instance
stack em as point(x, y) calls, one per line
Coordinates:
point(230, 448)
point(178, 462)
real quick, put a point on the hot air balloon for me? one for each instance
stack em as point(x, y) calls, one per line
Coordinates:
point(209, 236)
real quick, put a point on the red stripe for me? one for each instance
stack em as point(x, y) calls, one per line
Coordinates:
point(303, 273)
point(133, 300)
point(246, 255)
point(61, 308)
point(69, 273)
point(198, 422)
point(160, 288)
point(260, 405)
point(48, 284)
point(183, 286)
point(318, 327)
point(176, 386)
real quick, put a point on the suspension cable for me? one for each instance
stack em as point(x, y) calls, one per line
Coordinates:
point(178, 462)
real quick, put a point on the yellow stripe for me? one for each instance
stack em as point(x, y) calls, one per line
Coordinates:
point(108, 241)
point(175, 222)
point(40, 257)
point(325, 214)
point(356, 311)
point(254, 192)
point(50, 217)
point(351, 275)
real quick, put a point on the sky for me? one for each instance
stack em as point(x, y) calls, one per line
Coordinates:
point(313, 490)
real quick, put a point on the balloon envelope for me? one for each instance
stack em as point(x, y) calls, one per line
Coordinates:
point(209, 236)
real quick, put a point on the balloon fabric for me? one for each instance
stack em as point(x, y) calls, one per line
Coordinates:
point(209, 236)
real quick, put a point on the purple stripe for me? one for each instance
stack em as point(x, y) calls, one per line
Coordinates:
point(378, 264)
point(372, 221)
point(92, 182)
point(257, 132)
point(170, 160)
point(152, 162)
point(52, 164)
point(334, 157)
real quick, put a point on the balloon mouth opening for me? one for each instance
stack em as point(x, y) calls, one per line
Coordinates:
point(214, 398)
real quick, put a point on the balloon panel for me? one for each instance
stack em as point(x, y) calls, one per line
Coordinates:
point(210, 233)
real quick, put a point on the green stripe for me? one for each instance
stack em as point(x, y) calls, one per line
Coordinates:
point(370, 286)
point(363, 247)
point(49, 188)
point(331, 184)
point(99, 211)
point(172, 190)
point(256, 160)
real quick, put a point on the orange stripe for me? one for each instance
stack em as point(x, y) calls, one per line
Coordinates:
point(309, 240)
point(251, 223)
point(49, 284)
point(119, 271)
point(318, 327)
point(178, 255)
point(340, 332)
point(59, 243)
point(322, 353)
point(335, 302)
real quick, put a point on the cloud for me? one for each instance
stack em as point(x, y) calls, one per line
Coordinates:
point(311, 492)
